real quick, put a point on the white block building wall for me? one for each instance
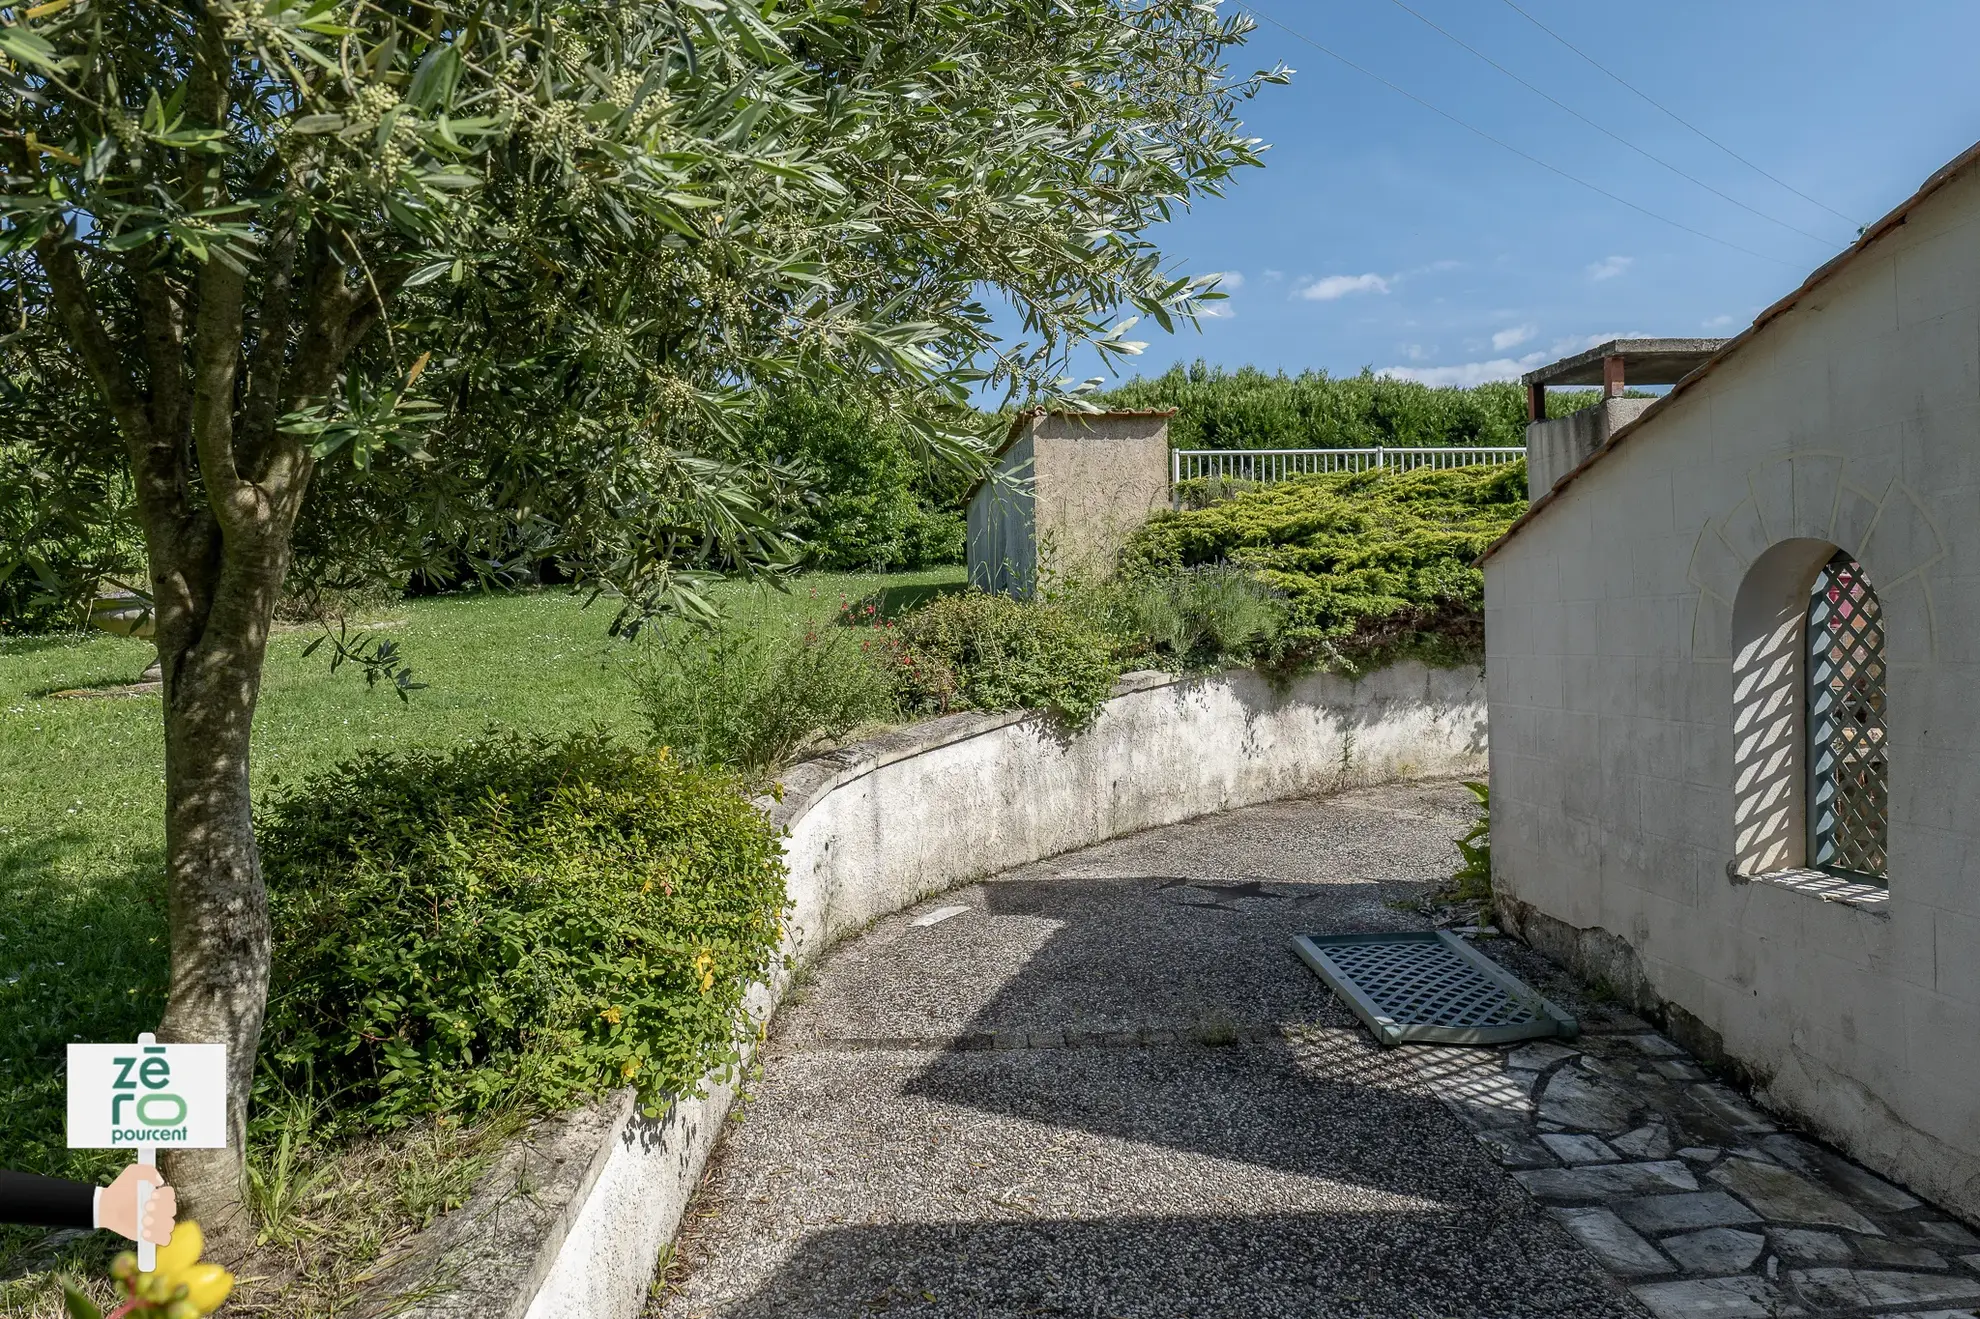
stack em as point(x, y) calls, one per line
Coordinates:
point(1852, 418)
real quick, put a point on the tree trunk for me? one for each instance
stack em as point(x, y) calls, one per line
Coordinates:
point(217, 564)
point(212, 649)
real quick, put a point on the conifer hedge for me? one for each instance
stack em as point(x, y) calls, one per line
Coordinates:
point(1253, 409)
point(1372, 566)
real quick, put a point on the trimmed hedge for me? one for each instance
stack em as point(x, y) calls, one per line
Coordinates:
point(1253, 409)
point(1372, 565)
point(519, 921)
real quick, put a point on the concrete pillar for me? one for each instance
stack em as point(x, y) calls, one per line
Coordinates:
point(1612, 377)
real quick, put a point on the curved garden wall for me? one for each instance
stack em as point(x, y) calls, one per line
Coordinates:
point(572, 1221)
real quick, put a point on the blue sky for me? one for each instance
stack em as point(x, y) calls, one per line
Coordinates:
point(1382, 235)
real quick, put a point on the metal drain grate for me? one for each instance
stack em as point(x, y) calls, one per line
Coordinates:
point(1430, 987)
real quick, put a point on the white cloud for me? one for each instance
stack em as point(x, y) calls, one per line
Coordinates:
point(1513, 336)
point(1718, 322)
point(1339, 286)
point(1229, 281)
point(1216, 311)
point(1609, 267)
point(1573, 344)
point(1466, 374)
point(1274, 276)
point(1415, 352)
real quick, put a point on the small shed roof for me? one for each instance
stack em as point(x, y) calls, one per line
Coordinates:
point(1032, 414)
point(1645, 362)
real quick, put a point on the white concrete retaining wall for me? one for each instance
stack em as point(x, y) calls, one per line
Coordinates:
point(879, 826)
point(883, 833)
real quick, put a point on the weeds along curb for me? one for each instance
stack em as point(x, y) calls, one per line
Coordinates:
point(572, 1219)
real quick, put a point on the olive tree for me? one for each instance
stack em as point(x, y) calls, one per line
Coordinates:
point(352, 279)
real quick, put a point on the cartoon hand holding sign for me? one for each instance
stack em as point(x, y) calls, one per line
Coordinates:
point(118, 1208)
point(147, 1097)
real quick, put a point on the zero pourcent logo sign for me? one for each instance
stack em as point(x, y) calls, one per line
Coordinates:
point(173, 1096)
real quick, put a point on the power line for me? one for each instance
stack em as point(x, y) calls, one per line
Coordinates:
point(1675, 115)
point(1659, 160)
point(1497, 142)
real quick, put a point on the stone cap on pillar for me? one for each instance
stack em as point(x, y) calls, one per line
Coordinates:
point(1617, 364)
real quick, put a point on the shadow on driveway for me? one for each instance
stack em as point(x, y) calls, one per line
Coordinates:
point(1232, 1266)
point(1110, 1088)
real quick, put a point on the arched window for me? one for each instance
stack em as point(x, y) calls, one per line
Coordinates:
point(1848, 778)
point(1811, 779)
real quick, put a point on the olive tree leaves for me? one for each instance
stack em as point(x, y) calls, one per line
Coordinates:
point(562, 244)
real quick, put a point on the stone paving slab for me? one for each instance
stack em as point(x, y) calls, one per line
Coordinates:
point(1106, 1087)
point(1771, 1224)
point(1607, 1181)
point(1717, 1298)
point(1614, 1242)
point(1716, 1250)
point(1684, 1213)
point(1847, 1288)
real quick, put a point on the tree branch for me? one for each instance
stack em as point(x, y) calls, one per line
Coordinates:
point(216, 367)
point(221, 291)
point(86, 331)
point(273, 322)
point(335, 318)
point(206, 102)
point(161, 320)
point(339, 317)
point(69, 287)
point(154, 454)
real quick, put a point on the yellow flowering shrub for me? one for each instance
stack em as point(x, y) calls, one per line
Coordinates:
point(522, 919)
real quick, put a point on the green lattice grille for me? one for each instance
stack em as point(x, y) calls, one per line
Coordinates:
point(1849, 782)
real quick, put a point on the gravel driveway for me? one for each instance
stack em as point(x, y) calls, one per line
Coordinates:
point(1107, 1087)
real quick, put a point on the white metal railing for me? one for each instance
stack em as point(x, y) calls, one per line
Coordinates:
point(1264, 466)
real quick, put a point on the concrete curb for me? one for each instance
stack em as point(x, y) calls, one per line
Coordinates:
point(573, 1220)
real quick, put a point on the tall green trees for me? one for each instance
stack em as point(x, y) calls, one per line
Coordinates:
point(1253, 409)
point(358, 282)
point(1248, 408)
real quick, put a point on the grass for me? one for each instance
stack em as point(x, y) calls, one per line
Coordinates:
point(82, 894)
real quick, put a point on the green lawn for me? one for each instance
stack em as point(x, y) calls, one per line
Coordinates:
point(82, 903)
